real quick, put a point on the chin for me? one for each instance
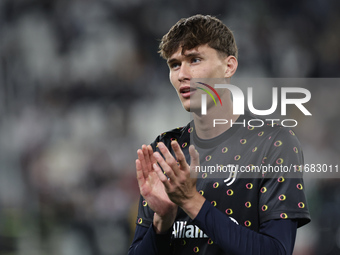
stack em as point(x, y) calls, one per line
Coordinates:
point(186, 105)
point(191, 106)
point(187, 108)
point(193, 110)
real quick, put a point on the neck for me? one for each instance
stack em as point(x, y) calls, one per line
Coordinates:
point(204, 123)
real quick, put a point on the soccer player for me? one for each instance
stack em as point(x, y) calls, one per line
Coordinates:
point(232, 213)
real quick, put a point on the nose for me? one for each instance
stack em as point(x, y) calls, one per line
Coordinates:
point(184, 73)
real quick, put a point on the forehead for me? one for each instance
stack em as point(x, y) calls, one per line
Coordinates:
point(199, 50)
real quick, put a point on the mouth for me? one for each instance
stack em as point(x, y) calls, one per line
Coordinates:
point(187, 91)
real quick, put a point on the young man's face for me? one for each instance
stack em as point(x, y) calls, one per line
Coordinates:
point(200, 62)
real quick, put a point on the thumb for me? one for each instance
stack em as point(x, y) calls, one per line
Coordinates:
point(195, 161)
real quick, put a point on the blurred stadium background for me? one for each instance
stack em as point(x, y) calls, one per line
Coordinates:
point(82, 87)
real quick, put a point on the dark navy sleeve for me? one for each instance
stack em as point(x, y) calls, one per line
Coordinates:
point(147, 242)
point(275, 236)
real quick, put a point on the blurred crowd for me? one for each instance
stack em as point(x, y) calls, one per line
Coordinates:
point(82, 88)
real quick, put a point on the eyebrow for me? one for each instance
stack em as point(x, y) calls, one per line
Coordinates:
point(189, 55)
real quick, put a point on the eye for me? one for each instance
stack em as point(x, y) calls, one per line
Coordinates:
point(174, 65)
point(195, 60)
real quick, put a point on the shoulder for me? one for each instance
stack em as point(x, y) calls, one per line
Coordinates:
point(283, 136)
point(173, 134)
point(270, 129)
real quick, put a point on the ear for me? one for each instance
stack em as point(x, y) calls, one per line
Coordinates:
point(231, 66)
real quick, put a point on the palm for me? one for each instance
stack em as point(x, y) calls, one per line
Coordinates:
point(154, 193)
point(151, 188)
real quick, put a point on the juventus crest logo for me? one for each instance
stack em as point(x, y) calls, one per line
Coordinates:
point(232, 175)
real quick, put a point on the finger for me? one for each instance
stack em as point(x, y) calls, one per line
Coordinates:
point(161, 176)
point(170, 160)
point(152, 158)
point(195, 160)
point(179, 154)
point(194, 155)
point(142, 163)
point(166, 167)
point(147, 157)
point(140, 175)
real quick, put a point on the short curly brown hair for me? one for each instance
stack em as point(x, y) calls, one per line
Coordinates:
point(197, 30)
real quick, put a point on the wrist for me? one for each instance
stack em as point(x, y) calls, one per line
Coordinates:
point(193, 205)
point(161, 224)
